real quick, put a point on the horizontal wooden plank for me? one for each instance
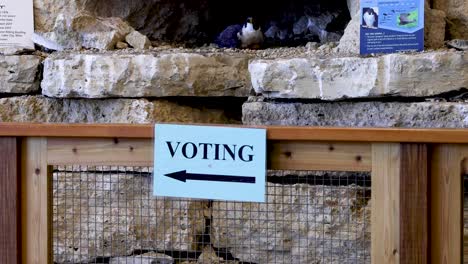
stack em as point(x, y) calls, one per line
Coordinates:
point(273, 132)
point(284, 155)
point(104, 151)
point(306, 155)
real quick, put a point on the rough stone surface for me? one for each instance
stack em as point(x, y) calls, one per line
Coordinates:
point(457, 14)
point(121, 45)
point(84, 30)
point(358, 114)
point(421, 74)
point(349, 43)
point(434, 27)
point(138, 40)
point(353, 6)
point(19, 74)
point(46, 12)
point(458, 44)
point(208, 256)
point(299, 223)
point(41, 109)
point(118, 216)
point(159, 19)
point(147, 74)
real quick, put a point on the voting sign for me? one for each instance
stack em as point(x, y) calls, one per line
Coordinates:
point(206, 162)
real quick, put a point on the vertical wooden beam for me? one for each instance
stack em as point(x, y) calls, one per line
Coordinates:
point(36, 242)
point(399, 203)
point(9, 201)
point(385, 220)
point(414, 181)
point(446, 205)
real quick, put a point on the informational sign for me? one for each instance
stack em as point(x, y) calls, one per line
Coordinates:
point(16, 24)
point(206, 162)
point(392, 26)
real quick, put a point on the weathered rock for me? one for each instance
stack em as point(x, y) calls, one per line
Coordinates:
point(208, 256)
point(41, 109)
point(46, 12)
point(349, 43)
point(422, 74)
point(13, 50)
point(458, 44)
point(83, 30)
point(138, 40)
point(121, 45)
point(109, 214)
point(147, 258)
point(146, 74)
point(159, 19)
point(19, 74)
point(358, 114)
point(457, 14)
point(299, 223)
point(434, 27)
point(353, 6)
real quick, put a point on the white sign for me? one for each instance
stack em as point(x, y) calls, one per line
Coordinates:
point(210, 162)
point(16, 24)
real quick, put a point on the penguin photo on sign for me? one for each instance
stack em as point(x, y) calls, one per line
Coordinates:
point(370, 18)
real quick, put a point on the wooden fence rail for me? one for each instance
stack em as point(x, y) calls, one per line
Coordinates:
point(417, 188)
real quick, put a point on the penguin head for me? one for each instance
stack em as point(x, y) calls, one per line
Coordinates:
point(370, 11)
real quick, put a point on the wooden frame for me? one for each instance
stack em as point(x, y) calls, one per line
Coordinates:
point(417, 191)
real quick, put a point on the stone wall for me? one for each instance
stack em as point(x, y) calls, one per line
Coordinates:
point(76, 76)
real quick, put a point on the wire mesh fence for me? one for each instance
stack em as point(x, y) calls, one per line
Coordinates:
point(108, 215)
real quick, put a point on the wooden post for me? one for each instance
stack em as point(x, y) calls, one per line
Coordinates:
point(399, 203)
point(446, 211)
point(36, 240)
point(9, 202)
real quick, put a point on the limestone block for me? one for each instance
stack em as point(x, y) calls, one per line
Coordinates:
point(101, 75)
point(19, 73)
point(353, 6)
point(147, 258)
point(138, 40)
point(42, 109)
point(358, 114)
point(114, 214)
point(299, 223)
point(83, 30)
point(349, 43)
point(421, 74)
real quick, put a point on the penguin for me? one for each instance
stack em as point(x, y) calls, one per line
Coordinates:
point(251, 37)
point(370, 17)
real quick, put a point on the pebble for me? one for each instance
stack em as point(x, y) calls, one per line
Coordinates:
point(121, 45)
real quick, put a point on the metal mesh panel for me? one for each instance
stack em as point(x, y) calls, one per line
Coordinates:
point(108, 215)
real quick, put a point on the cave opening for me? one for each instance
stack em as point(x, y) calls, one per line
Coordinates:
point(200, 22)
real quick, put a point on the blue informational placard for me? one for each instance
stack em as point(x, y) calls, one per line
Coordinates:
point(392, 26)
point(206, 162)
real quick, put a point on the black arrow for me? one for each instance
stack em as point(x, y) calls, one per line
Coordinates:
point(184, 176)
